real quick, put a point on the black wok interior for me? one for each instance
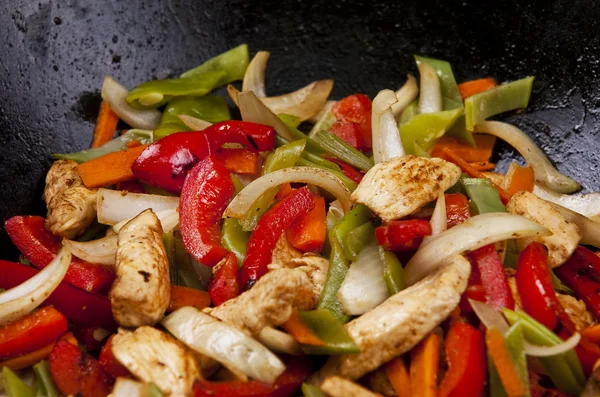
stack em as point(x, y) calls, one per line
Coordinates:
point(55, 54)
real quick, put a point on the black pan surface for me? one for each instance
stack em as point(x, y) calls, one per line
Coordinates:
point(55, 54)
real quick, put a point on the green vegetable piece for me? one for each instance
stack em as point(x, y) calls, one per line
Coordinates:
point(356, 217)
point(14, 386)
point(425, 129)
point(153, 391)
point(47, 386)
point(325, 122)
point(169, 243)
point(393, 273)
point(311, 391)
point(338, 268)
point(500, 99)
point(233, 62)
point(496, 387)
point(483, 196)
point(408, 113)
point(459, 131)
point(450, 93)
point(513, 339)
point(236, 183)
point(350, 184)
point(337, 147)
point(357, 239)
point(511, 255)
point(234, 238)
point(559, 286)
point(290, 120)
point(331, 331)
point(209, 108)
point(187, 276)
point(420, 152)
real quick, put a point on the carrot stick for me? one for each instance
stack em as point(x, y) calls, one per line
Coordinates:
point(424, 366)
point(449, 155)
point(506, 367)
point(300, 331)
point(106, 125)
point(109, 169)
point(308, 232)
point(397, 372)
point(519, 178)
point(185, 296)
point(473, 87)
point(240, 161)
point(482, 151)
point(483, 166)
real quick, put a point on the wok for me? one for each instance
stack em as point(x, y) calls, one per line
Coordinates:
point(55, 54)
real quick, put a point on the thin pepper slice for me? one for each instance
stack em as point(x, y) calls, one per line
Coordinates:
point(492, 276)
point(450, 92)
point(206, 192)
point(307, 233)
point(234, 62)
point(209, 108)
point(337, 147)
point(514, 342)
point(331, 331)
point(484, 196)
point(348, 170)
point(357, 239)
point(504, 364)
point(224, 286)
point(355, 109)
point(393, 273)
point(240, 160)
point(457, 209)
point(14, 386)
point(42, 372)
point(234, 238)
point(424, 129)
point(403, 235)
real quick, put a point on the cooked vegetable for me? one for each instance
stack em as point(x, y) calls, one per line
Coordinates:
point(106, 125)
point(386, 137)
point(430, 98)
point(449, 90)
point(14, 386)
point(405, 95)
point(323, 325)
point(424, 129)
point(504, 364)
point(307, 233)
point(115, 95)
point(234, 62)
point(110, 168)
point(211, 109)
point(519, 178)
point(403, 235)
point(484, 196)
point(469, 153)
point(470, 88)
point(586, 204)
point(399, 377)
point(492, 276)
point(224, 285)
point(424, 365)
point(42, 372)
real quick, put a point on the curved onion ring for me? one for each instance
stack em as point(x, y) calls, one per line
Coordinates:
point(114, 206)
point(114, 94)
point(386, 137)
point(585, 204)
point(405, 95)
point(22, 299)
point(589, 229)
point(430, 100)
point(243, 201)
point(254, 78)
point(439, 221)
point(102, 251)
point(254, 111)
point(194, 123)
point(279, 341)
point(169, 220)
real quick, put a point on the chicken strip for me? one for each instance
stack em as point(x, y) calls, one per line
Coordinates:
point(565, 237)
point(155, 357)
point(71, 205)
point(400, 186)
point(284, 252)
point(336, 386)
point(269, 303)
point(399, 323)
point(141, 291)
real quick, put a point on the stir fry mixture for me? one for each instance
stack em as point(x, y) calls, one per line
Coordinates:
point(314, 247)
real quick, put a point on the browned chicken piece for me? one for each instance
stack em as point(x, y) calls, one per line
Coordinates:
point(284, 252)
point(565, 237)
point(71, 205)
point(336, 386)
point(141, 291)
point(268, 303)
point(155, 357)
point(400, 186)
point(398, 324)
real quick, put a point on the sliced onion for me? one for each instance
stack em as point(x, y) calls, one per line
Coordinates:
point(102, 251)
point(439, 221)
point(545, 173)
point(321, 113)
point(585, 204)
point(254, 78)
point(114, 206)
point(363, 288)
point(279, 341)
point(405, 95)
point(386, 137)
point(114, 94)
point(169, 220)
point(194, 123)
point(489, 316)
point(589, 229)
point(22, 299)
point(474, 233)
point(254, 111)
point(224, 343)
point(430, 100)
point(547, 351)
point(243, 201)
point(336, 209)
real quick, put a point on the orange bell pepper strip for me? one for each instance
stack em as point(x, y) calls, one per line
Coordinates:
point(300, 331)
point(592, 333)
point(309, 230)
point(111, 168)
point(29, 359)
point(481, 153)
point(503, 361)
point(469, 88)
point(397, 373)
point(424, 366)
point(106, 125)
point(240, 161)
point(185, 296)
point(519, 178)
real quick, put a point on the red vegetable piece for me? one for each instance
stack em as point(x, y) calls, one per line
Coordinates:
point(40, 247)
point(403, 235)
point(492, 275)
point(224, 284)
point(87, 337)
point(204, 197)
point(82, 308)
point(307, 233)
point(474, 292)
point(350, 133)
point(133, 186)
point(457, 209)
point(109, 363)
point(268, 231)
point(240, 161)
point(356, 109)
point(348, 170)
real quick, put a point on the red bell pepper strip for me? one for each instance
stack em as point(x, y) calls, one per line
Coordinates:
point(286, 385)
point(457, 209)
point(204, 197)
point(29, 333)
point(87, 336)
point(350, 133)
point(356, 109)
point(240, 161)
point(475, 292)
point(224, 284)
point(76, 372)
point(348, 170)
point(268, 231)
point(40, 247)
point(166, 162)
point(109, 363)
point(403, 235)
point(80, 307)
point(467, 362)
point(492, 275)
point(131, 186)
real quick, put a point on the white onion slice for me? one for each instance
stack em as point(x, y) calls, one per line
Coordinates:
point(586, 204)
point(125, 387)
point(194, 123)
point(115, 94)
point(254, 78)
point(224, 343)
point(102, 251)
point(474, 233)
point(489, 316)
point(114, 206)
point(363, 288)
point(382, 130)
point(405, 95)
point(547, 351)
point(430, 100)
point(169, 220)
point(544, 171)
point(439, 221)
point(589, 229)
point(279, 341)
point(243, 201)
point(22, 299)
point(254, 111)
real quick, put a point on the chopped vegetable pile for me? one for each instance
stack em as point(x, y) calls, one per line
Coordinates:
point(351, 247)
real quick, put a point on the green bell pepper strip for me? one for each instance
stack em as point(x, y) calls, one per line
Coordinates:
point(309, 390)
point(14, 386)
point(420, 152)
point(47, 386)
point(209, 108)
point(356, 217)
point(483, 196)
point(500, 99)
point(119, 143)
point(564, 369)
point(393, 272)
point(290, 120)
point(459, 130)
point(283, 157)
point(350, 184)
point(450, 93)
point(513, 339)
point(331, 331)
point(337, 147)
point(169, 243)
point(325, 122)
point(408, 113)
point(153, 391)
point(234, 238)
point(511, 254)
point(311, 145)
point(425, 129)
point(186, 275)
point(236, 183)
point(357, 239)
point(559, 286)
point(233, 62)
point(496, 387)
